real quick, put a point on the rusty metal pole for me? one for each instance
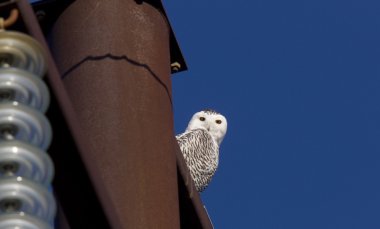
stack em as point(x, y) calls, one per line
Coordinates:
point(115, 60)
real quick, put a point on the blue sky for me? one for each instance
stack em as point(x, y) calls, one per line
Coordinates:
point(299, 84)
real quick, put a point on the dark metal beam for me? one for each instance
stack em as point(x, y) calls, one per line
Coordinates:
point(117, 162)
point(115, 60)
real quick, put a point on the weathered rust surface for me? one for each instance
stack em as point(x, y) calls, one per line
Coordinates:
point(100, 167)
point(115, 61)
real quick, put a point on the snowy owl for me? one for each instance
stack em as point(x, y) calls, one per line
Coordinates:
point(200, 145)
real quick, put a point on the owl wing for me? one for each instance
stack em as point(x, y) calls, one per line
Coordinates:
point(200, 151)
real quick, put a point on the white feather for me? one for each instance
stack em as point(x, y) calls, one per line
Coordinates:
point(200, 145)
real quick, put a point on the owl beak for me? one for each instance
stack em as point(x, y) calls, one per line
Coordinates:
point(207, 126)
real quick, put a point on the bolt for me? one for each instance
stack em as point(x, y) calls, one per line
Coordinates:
point(175, 66)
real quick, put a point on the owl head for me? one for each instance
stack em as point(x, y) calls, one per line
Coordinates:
point(210, 120)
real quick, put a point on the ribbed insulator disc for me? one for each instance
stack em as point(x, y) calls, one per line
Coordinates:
point(22, 221)
point(25, 160)
point(22, 51)
point(23, 195)
point(19, 122)
point(22, 86)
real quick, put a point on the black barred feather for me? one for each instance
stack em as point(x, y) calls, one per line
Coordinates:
point(201, 153)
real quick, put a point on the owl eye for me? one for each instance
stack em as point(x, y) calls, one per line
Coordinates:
point(218, 121)
point(202, 118)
